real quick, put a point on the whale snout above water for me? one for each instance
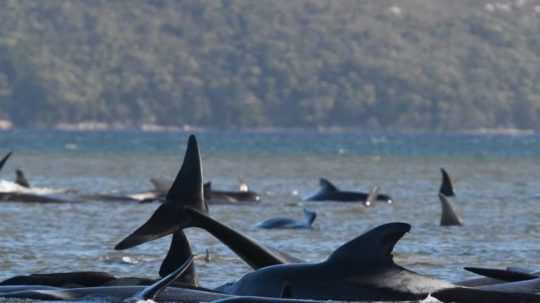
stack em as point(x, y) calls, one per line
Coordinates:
point(330, 192)
point(287, 223)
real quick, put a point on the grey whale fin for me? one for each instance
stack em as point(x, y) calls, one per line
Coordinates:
point(4, 160)
point(448, 215)
point(373, 247)
point(446, 188)
point(327, 186)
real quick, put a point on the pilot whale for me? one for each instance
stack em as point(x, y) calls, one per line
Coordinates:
point(363, 270)
point(211, 195)
point(185, 207)
point(25, 196)
point(283, 223)
point(179, 251)
point(449, 216)
point(158, 291)
point(352, 272)
point(330, 192)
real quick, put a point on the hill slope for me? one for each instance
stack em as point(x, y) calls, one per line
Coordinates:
point(392, 64)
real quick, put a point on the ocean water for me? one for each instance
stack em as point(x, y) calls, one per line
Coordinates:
point(496, 179)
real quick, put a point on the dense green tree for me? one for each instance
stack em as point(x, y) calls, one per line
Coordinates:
point(435, 65)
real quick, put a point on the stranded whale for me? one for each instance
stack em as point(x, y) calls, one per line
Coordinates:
point(330, 192)
point(277, 223)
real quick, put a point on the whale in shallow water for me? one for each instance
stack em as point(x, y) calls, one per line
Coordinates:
point(185, 207)
point(330, 192)
point(211, 195)
point(363, 270)
point(20, 193)
point(284, 223)
point(449, 215)
point(179, 251)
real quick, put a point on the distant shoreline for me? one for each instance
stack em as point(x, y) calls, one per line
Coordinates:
point(6, 125)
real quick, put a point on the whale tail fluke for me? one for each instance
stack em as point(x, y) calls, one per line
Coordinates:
point(151, 292)
point(372, 196)
point(187, 188)
point(373, 247)
point(446, 188)
point(449, 215)
point(4, 160)
point(309, 217)
point(186, 191)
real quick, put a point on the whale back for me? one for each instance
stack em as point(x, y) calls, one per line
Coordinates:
point(374, 247)
point(446, 188)
point(4, 160)
point(449, 215)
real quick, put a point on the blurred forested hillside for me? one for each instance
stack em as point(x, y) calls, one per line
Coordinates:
point(408, 64)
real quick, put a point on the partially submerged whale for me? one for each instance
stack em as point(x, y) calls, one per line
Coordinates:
point(330, 192)
point(449, 215)
point(179, 251)
point(185, 207)
point(15, 192)
point(128, 294)
point(284, 223)
point(211, 195)
point(363, 270)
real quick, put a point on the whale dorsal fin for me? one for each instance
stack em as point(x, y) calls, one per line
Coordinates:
point(21, 179)
point(327, 186)
point(3, 161)
point(448, 215)
point(153, 290)
point(447, 188)
point(373, 247)
point(161, 185)
point(309, 216)
point(186, 191)
point(501, 274)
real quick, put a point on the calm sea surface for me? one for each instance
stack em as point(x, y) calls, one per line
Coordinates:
point(496, 178)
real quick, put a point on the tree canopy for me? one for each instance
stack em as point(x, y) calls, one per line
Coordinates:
point(411, 64)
